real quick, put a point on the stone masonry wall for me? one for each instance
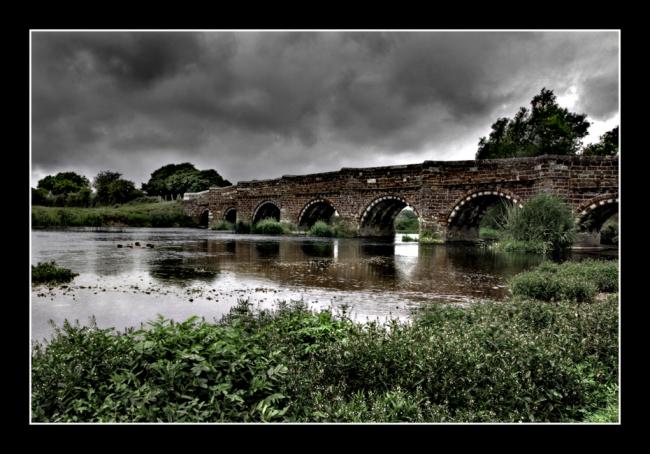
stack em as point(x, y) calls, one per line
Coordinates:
point(432, 188)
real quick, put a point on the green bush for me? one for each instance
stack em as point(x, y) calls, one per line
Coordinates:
point(579, 281)
point(495, 361)
point(543, 219)
point(49, 273)
point(407, 238)
point(268, 226)
point(429, 236)
point(223, 225)
point(321, 228)
point(489, 233)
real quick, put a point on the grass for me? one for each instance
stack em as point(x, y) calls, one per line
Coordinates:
point(576, 281)
point(159, 214)
point(489, 233)
point(496, 361)
point(49, 273)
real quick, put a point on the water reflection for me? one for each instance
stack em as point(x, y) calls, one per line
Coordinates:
point(184, 256)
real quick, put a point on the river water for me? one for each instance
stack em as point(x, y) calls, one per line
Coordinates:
point(202, 272)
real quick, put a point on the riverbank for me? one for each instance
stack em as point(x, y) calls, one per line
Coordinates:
point(160, 214)
point(517, 360)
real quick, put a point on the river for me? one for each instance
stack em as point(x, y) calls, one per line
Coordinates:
point(203, 272)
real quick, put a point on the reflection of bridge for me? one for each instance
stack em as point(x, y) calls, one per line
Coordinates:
point(449, 197)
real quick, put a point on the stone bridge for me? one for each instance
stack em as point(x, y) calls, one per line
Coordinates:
point(449, 197)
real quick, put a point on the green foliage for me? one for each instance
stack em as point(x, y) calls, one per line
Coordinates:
point(49, 273)
point(607, 146)
point(495, 361)
point(321, 228)
point(223, 225)
point(430, 236)
point(609, 413)
point(578, 281)
point(407, 238)
point(269, 226)
point(342, 229)
point(489, 233)
point(546, 128)
point(176, 179)
point(407, 222)
point(160, 214)
point(63, 183)
point(112, 189)
point(545, 223)
point(63, 189)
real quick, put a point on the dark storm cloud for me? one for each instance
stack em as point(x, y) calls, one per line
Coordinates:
point(259, 105)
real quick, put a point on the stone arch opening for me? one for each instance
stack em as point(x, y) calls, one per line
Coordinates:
point(378, 219)
point(204, 219)
point(464, 219)
point(265, 210)
point(592, 217)
point(230, 215)
point(316, 210)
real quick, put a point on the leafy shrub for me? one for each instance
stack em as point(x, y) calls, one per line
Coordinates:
point(268, 226)
point(407, 238)
point(496, 361)
point(321, 228)
point(577, 281)
point(223, 225)
point(530, 247)
point(48, 272)
point(430, 236)
point(543, 219)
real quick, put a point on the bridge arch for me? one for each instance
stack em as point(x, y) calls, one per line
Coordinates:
point(230, 215)
point(204, 218)
point(592, 215)
point(319, 209)
point(378, 217)
point(266, 209)
point(464, 218)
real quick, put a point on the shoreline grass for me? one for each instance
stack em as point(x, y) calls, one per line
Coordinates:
point(159, 214)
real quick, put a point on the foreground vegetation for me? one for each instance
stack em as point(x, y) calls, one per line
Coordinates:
point(158, 214)
point(574, 281)
point(521, 360)
point(50, 273)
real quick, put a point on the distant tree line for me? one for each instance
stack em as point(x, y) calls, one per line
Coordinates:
point(545, 128)
point(168, 182)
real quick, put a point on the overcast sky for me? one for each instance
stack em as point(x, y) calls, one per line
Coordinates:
point(257, 105)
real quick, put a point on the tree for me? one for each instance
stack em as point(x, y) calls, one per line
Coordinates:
point(111, 188)
point(176, 179)
point(546, 128)
point(608, 145)
point(63, 183)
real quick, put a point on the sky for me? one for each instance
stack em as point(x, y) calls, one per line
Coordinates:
point(258, 105)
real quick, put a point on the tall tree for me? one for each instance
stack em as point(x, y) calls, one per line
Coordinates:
point(111, 188)
point(546, 128)
point(608, 145)
point(63, 183)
